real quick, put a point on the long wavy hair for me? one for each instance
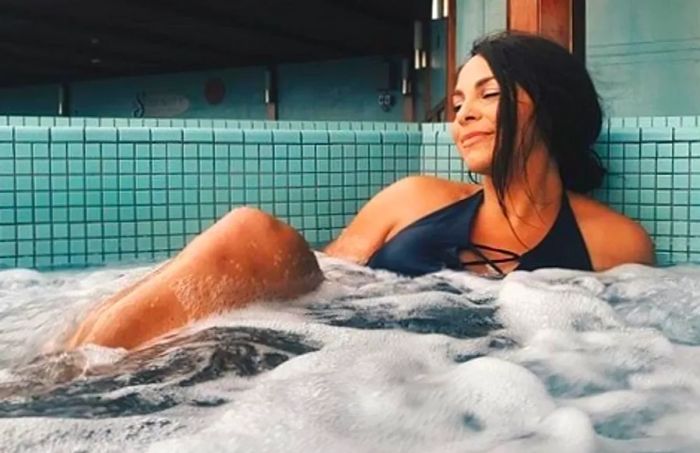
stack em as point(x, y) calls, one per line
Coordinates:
point(567, 116)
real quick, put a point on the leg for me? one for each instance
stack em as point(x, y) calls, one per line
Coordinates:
point(245, 256)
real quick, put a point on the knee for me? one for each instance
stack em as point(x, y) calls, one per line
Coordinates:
point(248, 227)
point(266, 239)
point(256, 246)
point(253, 225)
point(249, 217)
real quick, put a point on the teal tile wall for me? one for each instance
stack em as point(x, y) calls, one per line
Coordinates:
point(77, 196)
point(440, 157)
point(654, 177)
point(49, 121)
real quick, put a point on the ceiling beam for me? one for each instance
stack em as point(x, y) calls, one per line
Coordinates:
point(207, 15)
point(73, 43)
point(362, 21)
point(43, 58)
point(56, 40)
point(134, 36)
point(397, 17)
point(53, 53)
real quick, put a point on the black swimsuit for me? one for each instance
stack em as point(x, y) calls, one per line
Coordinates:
point(435, 241)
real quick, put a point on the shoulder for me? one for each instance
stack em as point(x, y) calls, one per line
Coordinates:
point(391, 210)
point(429, 189)
point(611, 238)
point(416, 196)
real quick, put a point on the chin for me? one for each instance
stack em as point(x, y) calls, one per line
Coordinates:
point(477, 159)
point(477, 164)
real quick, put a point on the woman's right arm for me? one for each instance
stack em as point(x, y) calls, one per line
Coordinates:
point(366, 232)
point(387, 211)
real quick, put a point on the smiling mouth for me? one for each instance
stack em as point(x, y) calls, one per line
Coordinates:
point(472, 139)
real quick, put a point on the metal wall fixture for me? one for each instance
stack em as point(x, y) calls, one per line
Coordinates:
point(63, 100)
point(270, 88)
point(406, 77)
point(420, 54)
point(440, 9)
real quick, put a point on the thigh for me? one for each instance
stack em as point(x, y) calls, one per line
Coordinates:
point(247, 255)
point(264, 255)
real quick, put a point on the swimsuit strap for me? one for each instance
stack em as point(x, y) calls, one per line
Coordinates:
point(474, 247)
point(494, 249)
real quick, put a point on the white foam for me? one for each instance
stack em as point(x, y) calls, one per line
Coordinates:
point(596, 366)
point(527, 305)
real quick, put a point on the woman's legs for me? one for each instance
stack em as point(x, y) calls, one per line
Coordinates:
point(247, 255)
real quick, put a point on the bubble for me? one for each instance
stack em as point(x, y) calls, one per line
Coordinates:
point(550, 360)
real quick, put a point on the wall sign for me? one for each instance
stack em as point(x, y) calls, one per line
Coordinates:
point(163, 105)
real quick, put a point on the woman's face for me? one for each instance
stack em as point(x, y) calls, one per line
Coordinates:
point(475, 126)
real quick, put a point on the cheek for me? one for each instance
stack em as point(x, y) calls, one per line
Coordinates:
point(478, 156)
point(454, 128)
point(491, 114)
point(485, 148)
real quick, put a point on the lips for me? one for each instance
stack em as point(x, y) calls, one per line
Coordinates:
point(473, 137)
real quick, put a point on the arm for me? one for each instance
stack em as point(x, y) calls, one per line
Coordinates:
point(378, 219)
point(390, 211)
point(368, 230)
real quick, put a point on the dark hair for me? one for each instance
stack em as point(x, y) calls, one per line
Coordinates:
point(567, 114)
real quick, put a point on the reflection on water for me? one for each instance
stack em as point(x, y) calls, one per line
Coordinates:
point(48, 386)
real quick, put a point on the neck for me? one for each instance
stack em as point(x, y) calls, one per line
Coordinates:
point(532, 198)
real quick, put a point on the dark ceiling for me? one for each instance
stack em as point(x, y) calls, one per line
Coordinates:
point(63, 40)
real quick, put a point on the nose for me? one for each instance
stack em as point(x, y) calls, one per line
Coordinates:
point(466, 114)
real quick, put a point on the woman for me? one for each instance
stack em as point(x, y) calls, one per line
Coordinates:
point(527, 115)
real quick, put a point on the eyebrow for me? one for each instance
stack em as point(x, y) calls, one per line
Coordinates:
point(479, 83)
point(483, 81)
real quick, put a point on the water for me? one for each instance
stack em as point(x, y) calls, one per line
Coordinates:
point(544, 361)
